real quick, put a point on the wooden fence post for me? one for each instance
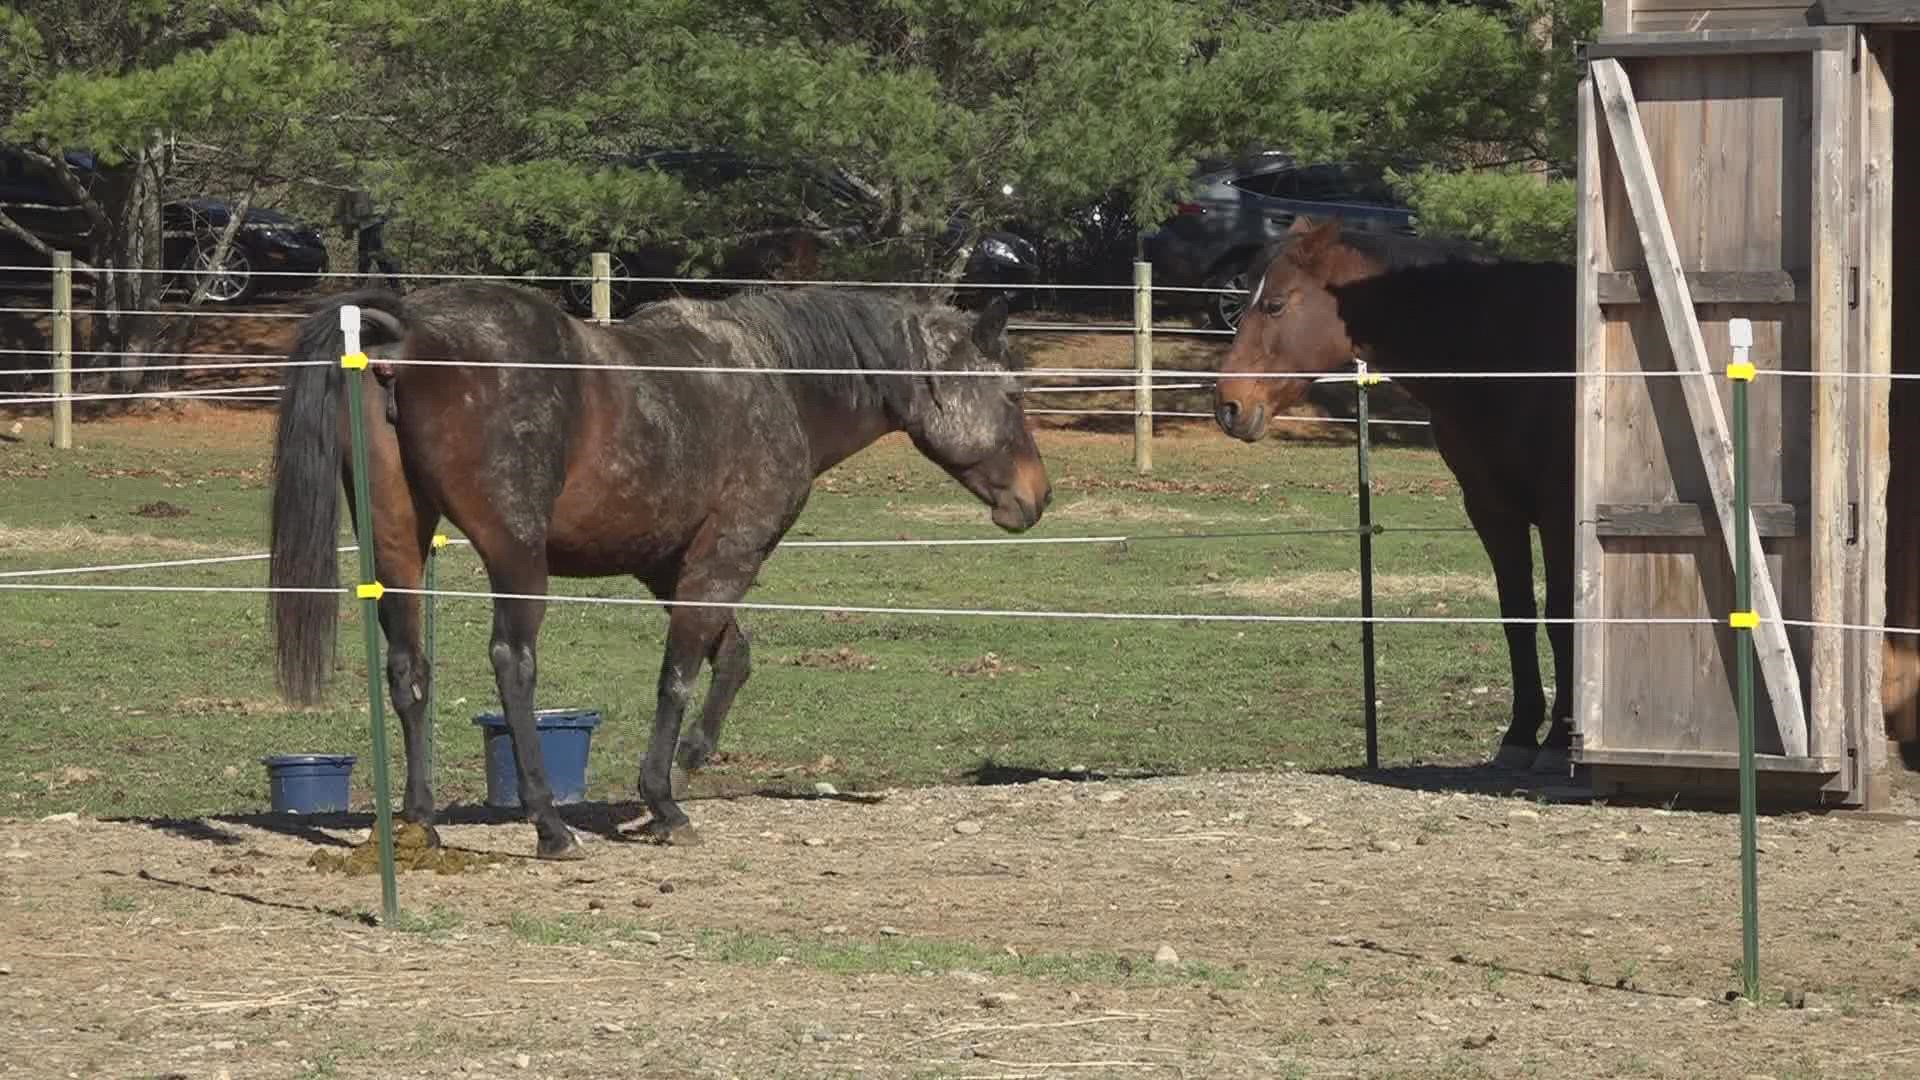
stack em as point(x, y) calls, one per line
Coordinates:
point(63, 350)
point(602, 288)
point(1143, 366)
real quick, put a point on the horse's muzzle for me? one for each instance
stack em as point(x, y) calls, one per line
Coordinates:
point(1247, 424)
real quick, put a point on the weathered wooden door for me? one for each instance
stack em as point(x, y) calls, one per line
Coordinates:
point(1724, 176)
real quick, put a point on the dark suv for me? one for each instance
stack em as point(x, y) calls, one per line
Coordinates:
point(832, 209)
point(1237, 208)
point(267, 241)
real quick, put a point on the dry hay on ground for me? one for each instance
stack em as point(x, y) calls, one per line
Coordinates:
point(1084, 508)
point(78, 539)
point(1330, 586)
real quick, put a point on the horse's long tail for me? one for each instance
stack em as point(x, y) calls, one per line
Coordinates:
point(308, 478)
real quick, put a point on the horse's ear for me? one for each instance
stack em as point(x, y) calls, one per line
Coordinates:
point(1315, 241)
point(990, 324)
point(1300, 227)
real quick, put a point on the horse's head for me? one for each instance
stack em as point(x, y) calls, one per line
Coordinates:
point(1292, 324)
point(973, 426)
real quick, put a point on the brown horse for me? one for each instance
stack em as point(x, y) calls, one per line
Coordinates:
point(1409, 306)
point(686, 480)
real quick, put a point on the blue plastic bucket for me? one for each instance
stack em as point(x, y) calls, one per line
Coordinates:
point(308, 783)
point(565, 737)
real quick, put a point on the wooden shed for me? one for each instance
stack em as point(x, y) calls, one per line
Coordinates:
point(1746, 160)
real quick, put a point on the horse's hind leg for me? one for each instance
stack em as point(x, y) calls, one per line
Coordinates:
point(1509, 545)
point(516, 626)
point(732, 658)
point(1556, 548)
point(408, 680)
point(402, 528)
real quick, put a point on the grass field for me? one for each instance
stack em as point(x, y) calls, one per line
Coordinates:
point(163, 703)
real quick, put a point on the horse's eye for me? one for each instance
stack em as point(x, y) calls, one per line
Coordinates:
point(1272, 308)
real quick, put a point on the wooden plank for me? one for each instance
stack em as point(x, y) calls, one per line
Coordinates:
point(1833, 433)
point(1667, 519)
point(1714, 759)
point(1710, 287)
point(1776, 661)
point(1863, 12)
point(1700, 7)
point(1616, 16)
point(1590, 427)
point(1708, 42)
point(1872, 353)
point(1698, 19)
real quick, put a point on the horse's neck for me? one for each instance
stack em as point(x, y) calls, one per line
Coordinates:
point(839, 425)
point(1398, 323)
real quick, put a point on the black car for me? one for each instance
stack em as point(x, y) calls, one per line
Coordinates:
point(1236, 208)
point(267, 245)
point(831, 209)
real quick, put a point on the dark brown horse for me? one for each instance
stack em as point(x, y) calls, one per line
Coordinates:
point(686, 480)
point(1409, 306)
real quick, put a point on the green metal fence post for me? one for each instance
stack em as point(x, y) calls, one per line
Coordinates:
point(1743, 620)
point(1367, 674)
point(369, 591)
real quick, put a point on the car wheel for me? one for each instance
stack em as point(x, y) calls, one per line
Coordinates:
point(227, 283)
point(1225, 308)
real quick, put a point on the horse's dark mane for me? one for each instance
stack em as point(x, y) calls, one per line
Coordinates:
point(1470, 315)
point(815, 327)
point(1394, 251)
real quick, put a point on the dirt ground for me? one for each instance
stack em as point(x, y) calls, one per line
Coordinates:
point(1319, 925)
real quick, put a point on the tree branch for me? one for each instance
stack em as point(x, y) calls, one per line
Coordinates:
point(20, 232)
point(64, 173)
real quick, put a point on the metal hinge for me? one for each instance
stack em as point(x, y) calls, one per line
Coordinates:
point(1853, 286)
point(1853, 523)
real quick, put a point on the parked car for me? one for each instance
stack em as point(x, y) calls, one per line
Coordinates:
point(1234, 210)
point(1237, 208)
point(833, 209)
point(268, 244)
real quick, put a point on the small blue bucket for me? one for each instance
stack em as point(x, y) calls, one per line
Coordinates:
point(308, 783)
point(565, 737)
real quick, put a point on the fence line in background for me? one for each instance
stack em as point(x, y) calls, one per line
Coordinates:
point(224, 393)
point(1147, 616)
point(930, 542)
point(590, 278)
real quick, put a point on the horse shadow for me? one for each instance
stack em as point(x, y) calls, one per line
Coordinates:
point(602, 818)
point(990, 773)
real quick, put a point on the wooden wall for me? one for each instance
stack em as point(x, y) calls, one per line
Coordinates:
point(1647, 16)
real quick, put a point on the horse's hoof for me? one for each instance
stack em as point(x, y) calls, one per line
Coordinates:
point(1553, 759)
point(681, 835)
point(566, 849)
point(1514, 757)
